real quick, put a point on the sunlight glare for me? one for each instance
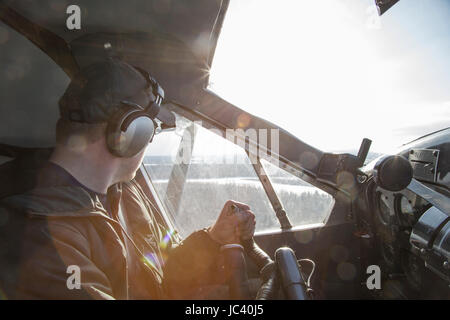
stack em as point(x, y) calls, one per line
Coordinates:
point(317, 69)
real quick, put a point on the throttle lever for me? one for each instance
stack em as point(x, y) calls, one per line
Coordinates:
point(236, 272)
point(291, 278)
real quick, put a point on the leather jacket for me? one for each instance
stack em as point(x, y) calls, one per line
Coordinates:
point(46, 230)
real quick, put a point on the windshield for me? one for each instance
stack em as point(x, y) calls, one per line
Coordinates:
point(195, 171)
point(333, 72)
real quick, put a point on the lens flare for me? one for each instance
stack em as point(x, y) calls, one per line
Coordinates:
point(165, 241)
point(151, 259)
point(243, 120)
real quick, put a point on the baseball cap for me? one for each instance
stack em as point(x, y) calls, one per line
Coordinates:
point(98, 91)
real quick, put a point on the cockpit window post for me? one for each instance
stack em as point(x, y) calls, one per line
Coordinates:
point(272, 195)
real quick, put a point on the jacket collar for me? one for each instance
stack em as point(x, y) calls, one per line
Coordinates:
point(60, 201)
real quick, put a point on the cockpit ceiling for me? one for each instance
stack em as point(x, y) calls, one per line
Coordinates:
point(173, 39)
point(187, 21)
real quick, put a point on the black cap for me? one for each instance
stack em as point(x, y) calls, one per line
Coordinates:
point(98, 90)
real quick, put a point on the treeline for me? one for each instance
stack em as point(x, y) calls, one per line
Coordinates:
point(201, 201)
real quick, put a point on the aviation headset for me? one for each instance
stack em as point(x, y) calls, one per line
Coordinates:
point(132, 127)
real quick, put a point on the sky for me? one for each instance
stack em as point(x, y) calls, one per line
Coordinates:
point(332, 72)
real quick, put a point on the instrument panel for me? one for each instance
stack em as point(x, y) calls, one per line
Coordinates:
point(396, 216)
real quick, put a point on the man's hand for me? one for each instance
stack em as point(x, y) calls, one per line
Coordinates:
point(235, 222)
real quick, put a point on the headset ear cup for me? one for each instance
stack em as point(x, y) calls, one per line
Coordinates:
point(113, 132)
point(155, 125)
point(137, 135)
point(128, 132)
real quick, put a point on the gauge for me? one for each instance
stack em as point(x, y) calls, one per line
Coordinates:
point(384, 213)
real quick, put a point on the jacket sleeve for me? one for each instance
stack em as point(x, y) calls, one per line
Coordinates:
point(191, 265)
point(188, 265)
point(55, 255)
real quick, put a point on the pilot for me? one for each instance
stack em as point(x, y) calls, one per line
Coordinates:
point(87, 230)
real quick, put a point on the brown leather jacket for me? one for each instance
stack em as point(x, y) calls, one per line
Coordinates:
point(46, 230)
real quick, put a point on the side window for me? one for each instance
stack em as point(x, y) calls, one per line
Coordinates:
point(195, 171)
point(303, 202)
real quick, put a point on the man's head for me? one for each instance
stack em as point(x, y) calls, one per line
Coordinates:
point(107, 117)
